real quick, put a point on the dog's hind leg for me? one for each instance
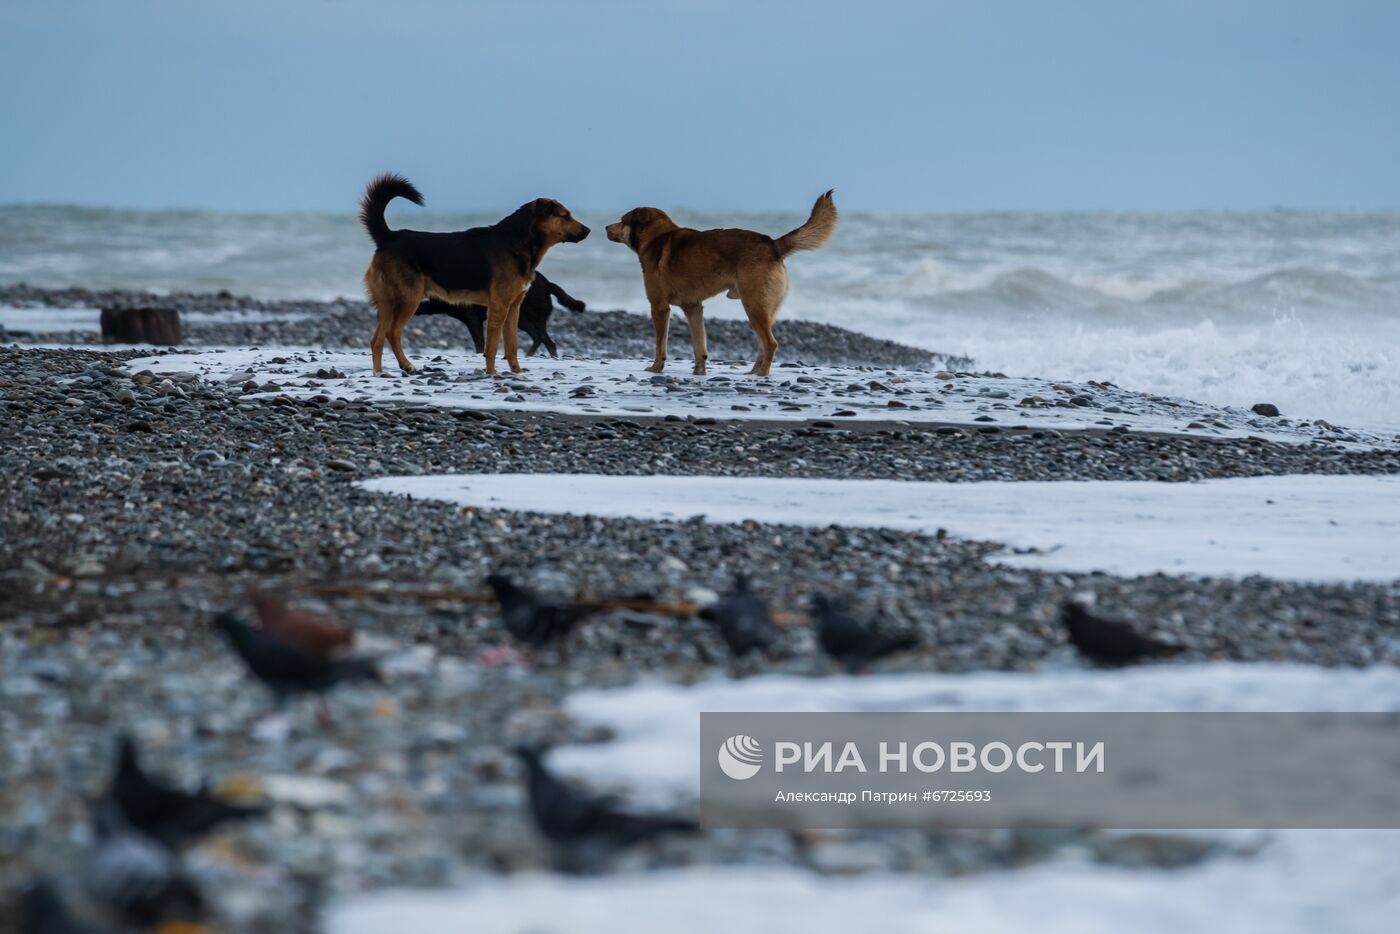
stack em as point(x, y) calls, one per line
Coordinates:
point(762, 294)
point(376, 343)
point(396, 293)
point(401, 318)
point(695, 317)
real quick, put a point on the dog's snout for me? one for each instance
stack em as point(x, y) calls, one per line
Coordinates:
point(582, 233)
point(612, 233)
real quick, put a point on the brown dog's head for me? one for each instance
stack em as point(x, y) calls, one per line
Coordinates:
point(639, 225)
point(553, 223)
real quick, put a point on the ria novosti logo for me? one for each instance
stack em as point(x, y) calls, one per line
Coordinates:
point(740, 757)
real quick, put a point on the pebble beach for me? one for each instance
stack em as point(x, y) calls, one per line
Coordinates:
point(138, 497)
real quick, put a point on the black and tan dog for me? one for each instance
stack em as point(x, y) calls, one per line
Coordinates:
point(491, 266)
point(534, 314)
point(684, 267)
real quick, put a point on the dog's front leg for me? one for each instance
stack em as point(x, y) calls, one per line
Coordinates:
point(695, 317)
point(661, 324)
point(496, 313)
point(512, 334)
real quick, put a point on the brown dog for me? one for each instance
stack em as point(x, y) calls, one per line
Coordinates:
point(683, 267)
point(491, 266)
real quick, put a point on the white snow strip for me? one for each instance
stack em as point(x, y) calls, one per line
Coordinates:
point(1302, 882)
point(656, 725)
point(622, 388)
point(1297, 527)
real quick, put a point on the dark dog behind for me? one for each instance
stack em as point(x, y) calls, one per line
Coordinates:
point(491, 266)
point(534, 314)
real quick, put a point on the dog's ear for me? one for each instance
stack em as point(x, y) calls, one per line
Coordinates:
point(543, 207)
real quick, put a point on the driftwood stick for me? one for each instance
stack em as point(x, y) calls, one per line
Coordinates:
point(359, 592)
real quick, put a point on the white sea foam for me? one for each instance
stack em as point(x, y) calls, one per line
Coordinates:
point(854, 393)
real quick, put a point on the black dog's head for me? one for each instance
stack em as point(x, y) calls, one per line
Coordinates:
point(553, 223)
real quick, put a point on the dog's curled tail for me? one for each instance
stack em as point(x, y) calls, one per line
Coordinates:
point(813, 234)
point(377, 196)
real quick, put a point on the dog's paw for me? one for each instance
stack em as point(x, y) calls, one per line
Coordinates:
point(656, 368)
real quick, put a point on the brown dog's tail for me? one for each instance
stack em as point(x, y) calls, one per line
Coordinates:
point(813, 234)
point(377, 196)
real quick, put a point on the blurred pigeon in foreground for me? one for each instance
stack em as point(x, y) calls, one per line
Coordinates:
point(591, 824)
point(286, 669)
point(533, 619)
point(171, 815)
point(43, 911)
point(743, 619)
point(1108, 641)
point(315, 632)
point(851, 642)
point(137, 878)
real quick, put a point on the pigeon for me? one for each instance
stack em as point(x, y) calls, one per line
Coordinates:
point(315, 632)
point(575, 819)
point(533, 619)
point(287, 669)
point(43, 911)
point(1108, 641)
point(137, 878)
point(170, 815)
point(743, 620)
point(851, 642)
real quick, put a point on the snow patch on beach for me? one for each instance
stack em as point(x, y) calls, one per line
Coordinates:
point(1300, 882)
point(1341, 528)
point(655, 726)
point(1287, 882)
point(793, 393)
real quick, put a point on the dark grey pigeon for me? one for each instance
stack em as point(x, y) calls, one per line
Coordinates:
point(851, 642)
point(743, 620)
point(1109, 642)
point(171, 815)
point(532, 619)
point(591, 828)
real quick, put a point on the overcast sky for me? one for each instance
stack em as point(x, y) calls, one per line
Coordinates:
point(708, 104)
